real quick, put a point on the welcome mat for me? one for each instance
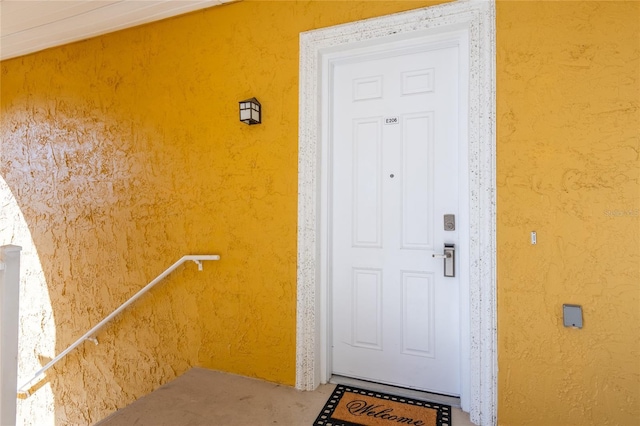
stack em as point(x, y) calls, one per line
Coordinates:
point(349, 406)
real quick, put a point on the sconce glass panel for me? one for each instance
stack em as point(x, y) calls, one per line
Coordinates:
point(250, 112)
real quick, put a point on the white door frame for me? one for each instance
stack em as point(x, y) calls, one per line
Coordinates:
point(479, 375)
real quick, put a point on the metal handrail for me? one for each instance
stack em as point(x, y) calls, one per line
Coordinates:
point(24, 390)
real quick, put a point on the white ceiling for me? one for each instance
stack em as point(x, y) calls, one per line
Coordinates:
point(28, 26)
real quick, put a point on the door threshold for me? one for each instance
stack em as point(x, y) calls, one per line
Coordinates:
point(395, 390)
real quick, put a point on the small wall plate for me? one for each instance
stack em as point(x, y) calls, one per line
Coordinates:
point(572, 315)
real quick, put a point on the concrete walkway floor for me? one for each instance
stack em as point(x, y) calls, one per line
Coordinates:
point(202, 397)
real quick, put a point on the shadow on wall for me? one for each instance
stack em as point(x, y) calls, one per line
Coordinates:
point(87, 197)
point(37, 329)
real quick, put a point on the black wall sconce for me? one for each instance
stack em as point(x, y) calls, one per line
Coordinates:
point(250, 111)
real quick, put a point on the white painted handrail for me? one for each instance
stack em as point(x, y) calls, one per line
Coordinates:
point(24, 390)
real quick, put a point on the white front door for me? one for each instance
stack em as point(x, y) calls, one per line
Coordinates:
point(394, 175)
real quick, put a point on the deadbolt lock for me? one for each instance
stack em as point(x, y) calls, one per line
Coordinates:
point(449, 222)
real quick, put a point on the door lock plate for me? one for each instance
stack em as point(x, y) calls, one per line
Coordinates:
point(449, 258)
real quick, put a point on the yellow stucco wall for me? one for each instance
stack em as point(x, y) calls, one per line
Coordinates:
point(125, 152)
point(568, 118)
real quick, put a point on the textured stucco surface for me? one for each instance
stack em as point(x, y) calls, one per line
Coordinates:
point(568, 119)
point(124, 152)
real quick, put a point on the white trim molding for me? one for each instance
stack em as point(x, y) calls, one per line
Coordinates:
point(477, 17)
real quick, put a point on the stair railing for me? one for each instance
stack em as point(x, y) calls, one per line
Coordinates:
point(25, 390)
